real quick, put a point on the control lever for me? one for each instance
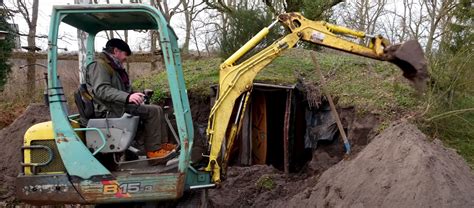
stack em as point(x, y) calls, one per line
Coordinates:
point(166, 109)
point(148, 94)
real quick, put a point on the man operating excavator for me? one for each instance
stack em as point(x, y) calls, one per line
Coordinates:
point(113, 96)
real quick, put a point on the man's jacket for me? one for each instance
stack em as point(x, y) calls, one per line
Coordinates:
point(109, 92)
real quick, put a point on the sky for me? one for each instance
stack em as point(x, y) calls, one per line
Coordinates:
point(136, 40)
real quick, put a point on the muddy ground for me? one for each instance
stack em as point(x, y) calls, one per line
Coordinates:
point(400, 167)
point(11, 140)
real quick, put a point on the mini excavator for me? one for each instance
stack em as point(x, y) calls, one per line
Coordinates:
point(61, 158)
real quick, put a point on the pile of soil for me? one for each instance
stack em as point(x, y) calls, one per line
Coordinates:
point(11, 140)
point(400, 167)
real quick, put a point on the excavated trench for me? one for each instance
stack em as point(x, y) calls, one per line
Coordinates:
point(314, 145)
point(310, 127)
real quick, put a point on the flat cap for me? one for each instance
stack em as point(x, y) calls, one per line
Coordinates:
point(119, 44)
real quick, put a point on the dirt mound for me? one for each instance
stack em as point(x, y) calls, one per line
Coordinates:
point(11, 139)
point(262, 186)
point(399, 168)
point(255, 186)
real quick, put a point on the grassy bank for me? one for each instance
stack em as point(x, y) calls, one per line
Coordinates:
point(370, 85)
point(449, 104)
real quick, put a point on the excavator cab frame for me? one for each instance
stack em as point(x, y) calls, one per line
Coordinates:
point(79, 176)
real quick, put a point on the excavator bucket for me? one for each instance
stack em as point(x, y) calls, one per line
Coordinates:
point(411, 59)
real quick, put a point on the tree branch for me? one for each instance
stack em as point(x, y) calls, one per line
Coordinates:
point(270, 6)
point(23, 9)
point(449, 113)
point(36, 36)
point(220, 6)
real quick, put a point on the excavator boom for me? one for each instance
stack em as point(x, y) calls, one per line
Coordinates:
point(408, 56)
point(234, 80)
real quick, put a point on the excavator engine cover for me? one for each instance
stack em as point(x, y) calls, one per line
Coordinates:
point(410, 58)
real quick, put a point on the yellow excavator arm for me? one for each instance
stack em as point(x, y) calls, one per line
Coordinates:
point(237, 80)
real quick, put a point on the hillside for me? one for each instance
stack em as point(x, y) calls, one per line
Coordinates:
point(371, 85)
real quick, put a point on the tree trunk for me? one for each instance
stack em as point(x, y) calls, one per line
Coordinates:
point(436, 13)
point(293, 5)
point(153, 38)
point(187, 32)
point(125, 34)
point(82, 43)
point(362, 8)
point(185, 49)
point(31, 60)
point(429, 42)
point(431, 7)
point(196, 42)
point(188, 21)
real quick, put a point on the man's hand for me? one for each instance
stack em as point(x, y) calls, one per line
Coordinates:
point(136, 98)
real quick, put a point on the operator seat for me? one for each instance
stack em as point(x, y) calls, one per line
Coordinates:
point(118, 132)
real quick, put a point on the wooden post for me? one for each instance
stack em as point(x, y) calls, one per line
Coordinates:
point(331, 104)
point(286, 131)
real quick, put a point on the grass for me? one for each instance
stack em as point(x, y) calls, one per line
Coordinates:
point(199, 75)
point(449, 106)
point(265, 182)
point(370, 85)
point(456, 130)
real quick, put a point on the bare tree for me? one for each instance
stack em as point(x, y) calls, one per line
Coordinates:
point(125, 34)
point(168, 11)
point(195, 38)
point(311, 9)
point(437, 11)
point(81, 41)
point(391, 25)
point(165, 8)
point(275, 6)
point(363, 15)
point(191, 10)
point(423, 20)
point(205, 32)
point(109, 35)
point(222, 6)
point(225, 8)
point(415, 18)
point(208, 31)
point(31, 20)
point(397, 21)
